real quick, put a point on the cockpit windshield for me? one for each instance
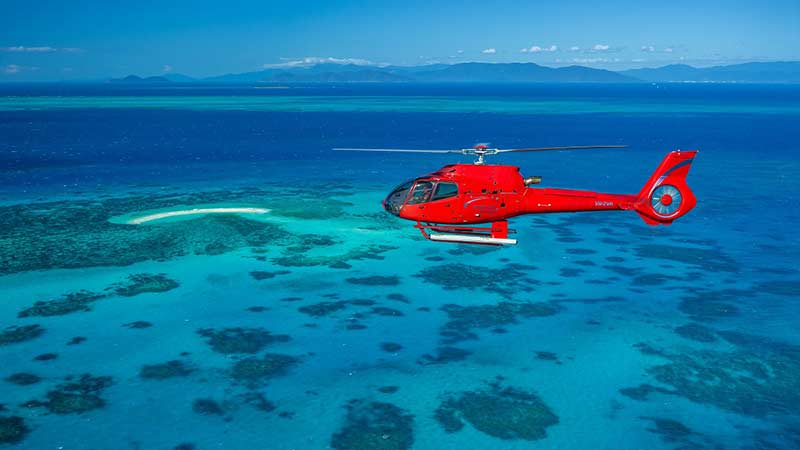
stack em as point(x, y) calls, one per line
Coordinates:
point(422, 192)
point(396, 199)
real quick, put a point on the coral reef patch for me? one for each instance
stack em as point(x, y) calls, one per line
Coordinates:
point(23, 378)
point(375, 280)
point(207, 407)
point(163, 371)
point(16, 334)
point(76, 396)
point(502, 412)
point(142, 283)
point(758, 378)
point(444, 355)
point(240, 340)
point(256, 370)
point(77, 233)
point(696, 332)
point(69, 303)
point(464, 319)
point(374, 425)
point(506, 281)
point(13, 430)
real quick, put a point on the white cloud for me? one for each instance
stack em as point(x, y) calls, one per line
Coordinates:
point(537, 49)
point(600, 47)
point(22, 49)
point(648, 48)
point(309, 61)
point(13, 69)
point(669, 50)
point(489, 51)
point(460, 52)
point(167, 68)
point(574, 48)
point(40, 49)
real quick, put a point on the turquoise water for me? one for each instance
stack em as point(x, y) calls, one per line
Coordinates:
point(327, 323)
point(370, 103)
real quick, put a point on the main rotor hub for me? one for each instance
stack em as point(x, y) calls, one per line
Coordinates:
point(481, 151)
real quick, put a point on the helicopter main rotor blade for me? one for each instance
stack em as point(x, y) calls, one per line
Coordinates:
point(570, 147)
point(396, 150)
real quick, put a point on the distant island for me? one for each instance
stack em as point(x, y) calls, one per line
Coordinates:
point(134, 79)
point(756, 72)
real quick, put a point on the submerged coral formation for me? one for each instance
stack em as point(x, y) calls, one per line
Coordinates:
point(696, 332)
point(45, 357)
point(711, 259)
point(240, 340)
point(464, 319)
point(444, 355)
point(375, 280)
point(142, 283)
point(255, 370)
point(758, 378)
point(77, 233)
point(69, 303)
point(265, 275)
point(369, 251)
point(12, 429)
point(23, 378)
point(207, 407)
point(671, 430)
point(506, 281)
point(169, 369)
point(76, 396)
point(258, 401)
point(374, 425)
point(707, 305)
point(391, 347)
point(16, 334)
point(502, 412)
point(323, 309)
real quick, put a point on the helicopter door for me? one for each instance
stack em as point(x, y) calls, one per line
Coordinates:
point(421, 193)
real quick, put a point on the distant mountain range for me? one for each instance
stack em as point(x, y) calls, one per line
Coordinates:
point(766, 72)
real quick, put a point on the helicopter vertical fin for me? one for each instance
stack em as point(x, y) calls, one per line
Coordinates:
point(666, 196)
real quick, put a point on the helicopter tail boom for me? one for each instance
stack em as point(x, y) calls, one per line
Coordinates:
point(666, 196)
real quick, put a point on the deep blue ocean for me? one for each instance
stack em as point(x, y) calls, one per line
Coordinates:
point(323, 322)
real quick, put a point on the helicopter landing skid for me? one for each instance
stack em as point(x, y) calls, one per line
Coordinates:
point(496, 234)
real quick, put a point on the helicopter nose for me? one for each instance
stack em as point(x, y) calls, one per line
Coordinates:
point(391, 205)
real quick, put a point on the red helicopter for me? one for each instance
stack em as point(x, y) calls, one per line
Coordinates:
point(446, 204)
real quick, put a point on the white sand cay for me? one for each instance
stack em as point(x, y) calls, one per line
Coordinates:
point(188, 212)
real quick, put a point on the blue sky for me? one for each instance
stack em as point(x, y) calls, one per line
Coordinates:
point(51, 40)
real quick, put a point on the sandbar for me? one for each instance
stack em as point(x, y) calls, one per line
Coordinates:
point(188, 212)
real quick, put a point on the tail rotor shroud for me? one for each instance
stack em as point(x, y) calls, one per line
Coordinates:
point(666, 200)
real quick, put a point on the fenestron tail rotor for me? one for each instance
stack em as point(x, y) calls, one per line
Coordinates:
point(479, 150)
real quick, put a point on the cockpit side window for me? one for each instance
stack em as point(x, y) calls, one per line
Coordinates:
point(421, 193)
point(445, 190)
